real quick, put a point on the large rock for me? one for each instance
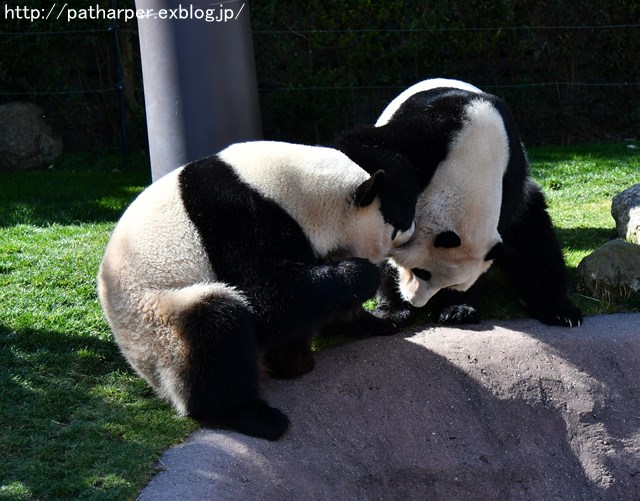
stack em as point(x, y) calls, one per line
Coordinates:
point(26, 140)
point(625, 209)
point(511, 410)
point(611, 271)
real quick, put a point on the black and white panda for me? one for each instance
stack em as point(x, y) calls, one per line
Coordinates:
point(239, 257)
point(477, 205)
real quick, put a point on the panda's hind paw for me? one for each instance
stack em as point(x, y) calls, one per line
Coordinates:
point(258, 420)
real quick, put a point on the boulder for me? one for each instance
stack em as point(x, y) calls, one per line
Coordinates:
point(501, 410)
point(26, 140)
point(612, 270)
point(625, 209)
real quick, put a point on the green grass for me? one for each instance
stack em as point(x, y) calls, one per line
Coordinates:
point(76, 422)
point(579, 183)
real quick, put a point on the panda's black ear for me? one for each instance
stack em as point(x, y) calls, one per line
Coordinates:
point(499, 251)
point(367, 192)
point(447, 239)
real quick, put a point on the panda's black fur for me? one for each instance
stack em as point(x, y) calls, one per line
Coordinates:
point(422, 129)
point(205, 276)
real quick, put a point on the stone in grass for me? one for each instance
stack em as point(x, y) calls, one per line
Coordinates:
point(611, 271)
point(26, 139)
point(625, 209)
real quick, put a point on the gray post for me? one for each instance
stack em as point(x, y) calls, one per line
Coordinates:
point(199, 78)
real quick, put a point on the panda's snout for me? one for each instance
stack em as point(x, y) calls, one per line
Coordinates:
point(401, 238)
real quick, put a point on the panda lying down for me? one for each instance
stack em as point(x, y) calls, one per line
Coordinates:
point(239, 259)
point(477, 205)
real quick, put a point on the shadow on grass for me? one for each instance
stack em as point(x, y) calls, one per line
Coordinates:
point(77, 423)
point(554, 154)
point(67, 197)
point(585, 239)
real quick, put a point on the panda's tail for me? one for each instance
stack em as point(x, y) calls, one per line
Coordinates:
point(219, 381)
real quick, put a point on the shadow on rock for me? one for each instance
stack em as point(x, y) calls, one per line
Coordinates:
point(516, 410)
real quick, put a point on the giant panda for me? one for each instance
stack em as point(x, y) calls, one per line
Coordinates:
point(234, 261)
point(477, 205)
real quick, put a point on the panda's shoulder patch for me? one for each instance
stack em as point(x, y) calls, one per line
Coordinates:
point(426, 125)
point(199, 180)
point(427, 90)
point(445, 106)
point(235, 221)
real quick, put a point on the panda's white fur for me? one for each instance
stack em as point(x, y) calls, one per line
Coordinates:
point(302, 180)
point(157, 269)
point(464, 196)
point(147, 279)
point(460, 150)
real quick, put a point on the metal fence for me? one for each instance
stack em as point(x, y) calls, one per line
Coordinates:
point(275, 95)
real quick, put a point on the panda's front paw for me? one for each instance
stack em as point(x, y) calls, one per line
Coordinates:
point(400, 316)
point(368, 325)
point(567, 315)
point(458, 314)
point(362, 276)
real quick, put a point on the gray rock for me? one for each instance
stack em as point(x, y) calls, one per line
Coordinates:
point(505, 410)
point(26, 140)
point(610, 271)
point(625, 209)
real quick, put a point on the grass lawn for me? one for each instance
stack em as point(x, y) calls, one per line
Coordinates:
point(76, 422)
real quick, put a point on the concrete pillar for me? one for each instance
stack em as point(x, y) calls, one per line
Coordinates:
point(199, 78)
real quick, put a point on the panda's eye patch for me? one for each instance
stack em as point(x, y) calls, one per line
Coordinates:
point(421, 274)
point(447, 239)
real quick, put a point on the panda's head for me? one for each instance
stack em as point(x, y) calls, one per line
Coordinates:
point(380, 218)
point(343, 209)
point(435, 259)
point(458, 211)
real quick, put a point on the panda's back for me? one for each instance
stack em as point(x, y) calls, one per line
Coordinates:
point(241, 230)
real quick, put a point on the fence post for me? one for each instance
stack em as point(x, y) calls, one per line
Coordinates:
point(199, 79)
point(119, 85)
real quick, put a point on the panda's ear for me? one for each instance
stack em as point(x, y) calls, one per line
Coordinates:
point(499, 251)
point(447, 239)
point(367, 192)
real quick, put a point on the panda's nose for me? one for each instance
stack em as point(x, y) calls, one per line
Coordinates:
point(421, 274)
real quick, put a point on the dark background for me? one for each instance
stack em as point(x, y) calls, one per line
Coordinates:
point(570, 70)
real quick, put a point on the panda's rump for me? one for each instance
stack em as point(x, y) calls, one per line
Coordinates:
point(155, 243)
point(153, 269)
point(172, 334)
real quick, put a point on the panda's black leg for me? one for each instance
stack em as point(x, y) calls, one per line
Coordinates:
point(358, 323)
point(296, 300)
point(221, 375)
point(289, 359)
point(536, 271)
point(301, 299)
point(391, 307)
